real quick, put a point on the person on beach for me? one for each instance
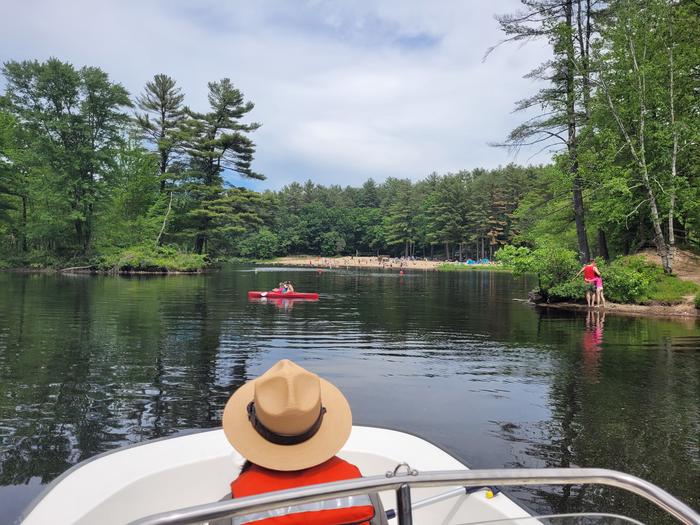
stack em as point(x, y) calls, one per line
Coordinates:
point(289, 424)
point(590, 274)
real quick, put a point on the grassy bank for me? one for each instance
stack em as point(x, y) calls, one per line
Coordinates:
point(627, 280)
point(136, 259)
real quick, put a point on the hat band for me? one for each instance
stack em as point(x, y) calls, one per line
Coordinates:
point(281, 439)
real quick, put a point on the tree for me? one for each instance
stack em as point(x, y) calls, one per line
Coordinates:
point(399, 224)
point(161, 103)
point(75, 118)
point(216, 141)
point(445, 209)
point(640, 66)
point(567, 24)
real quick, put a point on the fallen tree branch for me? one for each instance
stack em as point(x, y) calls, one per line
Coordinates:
point(92, 266)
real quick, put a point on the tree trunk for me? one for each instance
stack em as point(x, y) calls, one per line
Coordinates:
point(23, 243)
point(159, 240)
point(199, 243)
point(163, 169)
point(603, 245)
point(577, 183)
point(674, 156)
point(447, 251)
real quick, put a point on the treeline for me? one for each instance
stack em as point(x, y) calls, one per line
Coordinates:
point(92, 176)
point(454, 216)
point(620, 101)
point(87, 171)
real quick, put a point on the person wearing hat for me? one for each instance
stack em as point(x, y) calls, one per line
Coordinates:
point(289, 424)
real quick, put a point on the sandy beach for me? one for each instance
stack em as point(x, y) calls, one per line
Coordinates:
point(357, 262)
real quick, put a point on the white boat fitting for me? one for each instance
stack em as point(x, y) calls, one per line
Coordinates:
point(185, 479)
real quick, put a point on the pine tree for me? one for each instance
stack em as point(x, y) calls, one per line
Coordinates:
point(161, 103)
point(567, 25)
point(216, 141)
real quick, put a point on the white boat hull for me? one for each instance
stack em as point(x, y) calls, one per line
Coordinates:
point(172, 473)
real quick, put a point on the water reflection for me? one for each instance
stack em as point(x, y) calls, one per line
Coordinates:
point(592, 344)
point(91, 363)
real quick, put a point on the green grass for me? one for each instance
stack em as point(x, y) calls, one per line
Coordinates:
point(669, 289)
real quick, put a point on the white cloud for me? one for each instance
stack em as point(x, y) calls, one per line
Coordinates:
point(345, 90)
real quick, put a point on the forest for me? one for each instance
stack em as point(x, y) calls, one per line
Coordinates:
point(92, 175)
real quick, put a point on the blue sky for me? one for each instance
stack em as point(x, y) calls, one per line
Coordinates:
point(345, 90)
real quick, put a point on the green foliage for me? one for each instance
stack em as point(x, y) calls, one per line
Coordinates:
point(697, 301)
point(262, 244)
point(626, 280)
point(571, 290)
point(629, 279)
point(518, 259)
point(553, 265)
point(149, 259)
point(216, 141)
point(332, 243)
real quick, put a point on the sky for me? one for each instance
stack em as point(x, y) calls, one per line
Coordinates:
point(345, 90)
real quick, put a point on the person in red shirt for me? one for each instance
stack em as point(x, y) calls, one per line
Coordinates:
point(289, 424)
point(591, 275)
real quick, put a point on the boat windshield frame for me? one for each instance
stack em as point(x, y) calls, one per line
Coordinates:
point(402, 484)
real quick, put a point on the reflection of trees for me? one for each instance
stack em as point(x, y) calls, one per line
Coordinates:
point(91, 363)
point(641, 417)
point(428, 302)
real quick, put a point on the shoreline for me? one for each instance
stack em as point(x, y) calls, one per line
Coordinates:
point(84, 271)
point(683, 311)
point(380, 263)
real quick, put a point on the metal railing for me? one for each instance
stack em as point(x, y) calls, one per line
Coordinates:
point(403, 483)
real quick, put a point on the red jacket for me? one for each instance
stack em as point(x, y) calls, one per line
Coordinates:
point(257, 480)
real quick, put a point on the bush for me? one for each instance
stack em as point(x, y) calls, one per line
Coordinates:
point(630, 279)
point(697, 301)
point(517, 259)
point(263, 244)
point(572, 290)
point(626, 280)
point(553, 265)
point(148, 259)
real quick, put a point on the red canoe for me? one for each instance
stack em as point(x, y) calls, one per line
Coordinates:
point(280, 295)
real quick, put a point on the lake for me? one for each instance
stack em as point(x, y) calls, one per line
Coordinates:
point(90, 363)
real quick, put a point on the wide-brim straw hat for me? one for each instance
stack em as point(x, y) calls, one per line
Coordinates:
point(287, 419)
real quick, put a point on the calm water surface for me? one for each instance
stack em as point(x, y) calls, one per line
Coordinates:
point(90, 363)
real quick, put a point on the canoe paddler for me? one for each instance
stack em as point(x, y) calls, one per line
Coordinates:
point(289, 424)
